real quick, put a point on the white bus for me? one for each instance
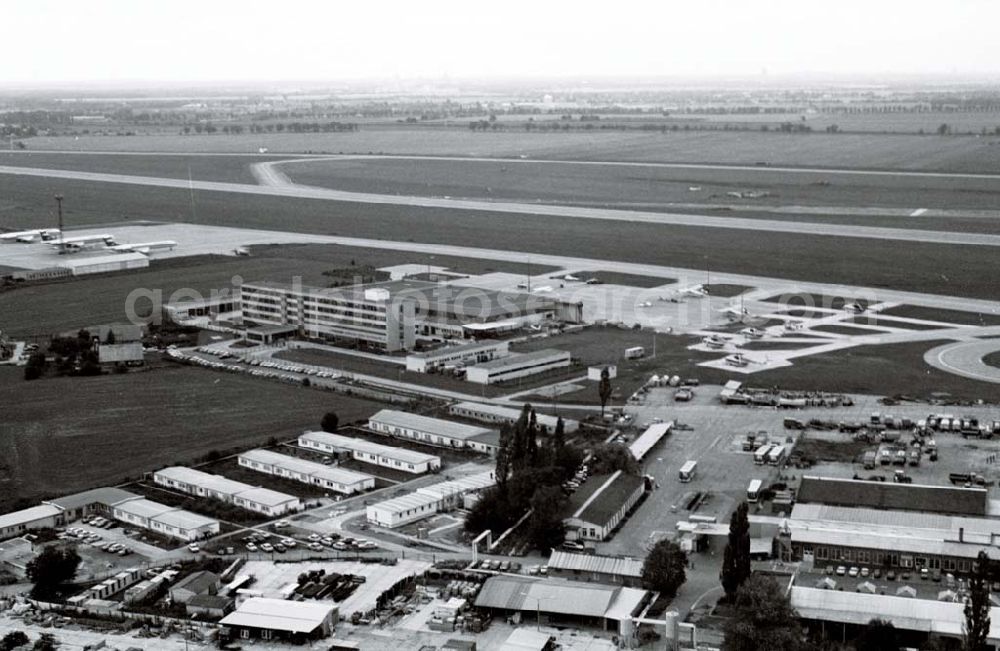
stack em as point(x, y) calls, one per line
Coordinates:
point(753, 492)
point(760, 455)
point(687, 471)
point(635, 352)
point(776, 455)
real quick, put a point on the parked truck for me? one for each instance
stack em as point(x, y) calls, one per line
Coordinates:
point(969, 479)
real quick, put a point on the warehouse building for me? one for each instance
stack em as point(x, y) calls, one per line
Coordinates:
point(166, 520)
point(601, 504)
point(904, 541)
point(558, 602)
point(424, 429)
point(496, 414)
point(916, 615)
point(96, 264)
point(368, 452)
point(277, 619)
point(467, 354)
point(946, 500)
point(252, 498)
point(488, 442)
point(339, 480)
point(21, 522)
point(612, 570)
point(427, 501)
point(518, 365)
point(194, 584)
point(97, 501)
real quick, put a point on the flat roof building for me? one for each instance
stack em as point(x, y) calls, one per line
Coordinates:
point(601, 503)
point(427, 501)
point(487, 413)
point(270, 619)
point(202, 484)
point(36, 517)
point(518, 365)
point(167, 520)
point(892, 496)
point(91, 502)
point(339, 480)
point(368, 452)
point(466, 354)
point(432, 431)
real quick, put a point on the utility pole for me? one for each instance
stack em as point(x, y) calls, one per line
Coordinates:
point(59, 200)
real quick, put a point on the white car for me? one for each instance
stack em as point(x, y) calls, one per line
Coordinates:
point(853, 572)
point(193, 548)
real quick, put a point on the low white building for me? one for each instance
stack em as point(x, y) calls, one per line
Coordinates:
point(432, 431)
point(462, 355)
point(368, 452)
point(338, 480)
point(252, 498)
point(83, 265)
point(518, 365)
point(427, 501)
point(487, 413)
point(23, 521)
point(167, 520)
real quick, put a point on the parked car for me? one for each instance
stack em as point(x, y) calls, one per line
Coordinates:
point(193, 548)
point(841, 570)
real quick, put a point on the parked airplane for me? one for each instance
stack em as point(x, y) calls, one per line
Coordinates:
point(736, 313)
point(542, 290)
point(737, 359)
point(678, 295)
point(753, 333)
point(74, 244)
point(645, 304)
point(855, 308)
point(715, 341)
point(144, 247)
point(25, 237)
point(570, 277)
point(793, 325)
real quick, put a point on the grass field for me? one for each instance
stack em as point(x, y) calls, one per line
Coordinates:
point(943, 315)
point(643, 188)
point(872, 151)
point(98, 431)
point(232, 169)
point(846, 330)
point(630, 280)
point(958, 270)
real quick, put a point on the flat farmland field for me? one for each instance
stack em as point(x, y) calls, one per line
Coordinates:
point(957, 270)
point(870, 151)
point(644, 188)
point(98, 431)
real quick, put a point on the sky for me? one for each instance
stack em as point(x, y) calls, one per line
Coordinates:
point(46, 41)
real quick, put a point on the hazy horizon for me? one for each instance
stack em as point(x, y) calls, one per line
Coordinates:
point(113, 43)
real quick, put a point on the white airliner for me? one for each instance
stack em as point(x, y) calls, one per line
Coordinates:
point(24, 237)
point(678, 295)
point(645, 304)
point(855, 308)
point(144, 247)
point(753, 333)
point(570, 277)
point(73, 244)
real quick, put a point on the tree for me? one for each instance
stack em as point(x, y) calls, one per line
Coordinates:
point(50, 569)
point(47, 642)
point(604, 388)
point(330, 422)
point(944, 129)
point(763, 619)
point(736, 559)
point(545, 528)
point(977, 607)
point(110, 339)
point(13, 640)
point(608, 458)
point(878, 635)
point(35, 367)
point(664, 568)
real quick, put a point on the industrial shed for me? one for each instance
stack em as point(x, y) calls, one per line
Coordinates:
point(612, 570)
point(270, 619)
point(485, 413)
point(99, 501)
point(176, 523)
point(427, 501)
point(368, 452)
point(948, 500)
point(36, 517)
point(202, 484)
point(81, 266)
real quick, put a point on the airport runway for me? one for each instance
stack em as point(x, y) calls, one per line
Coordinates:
point(281, 188)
